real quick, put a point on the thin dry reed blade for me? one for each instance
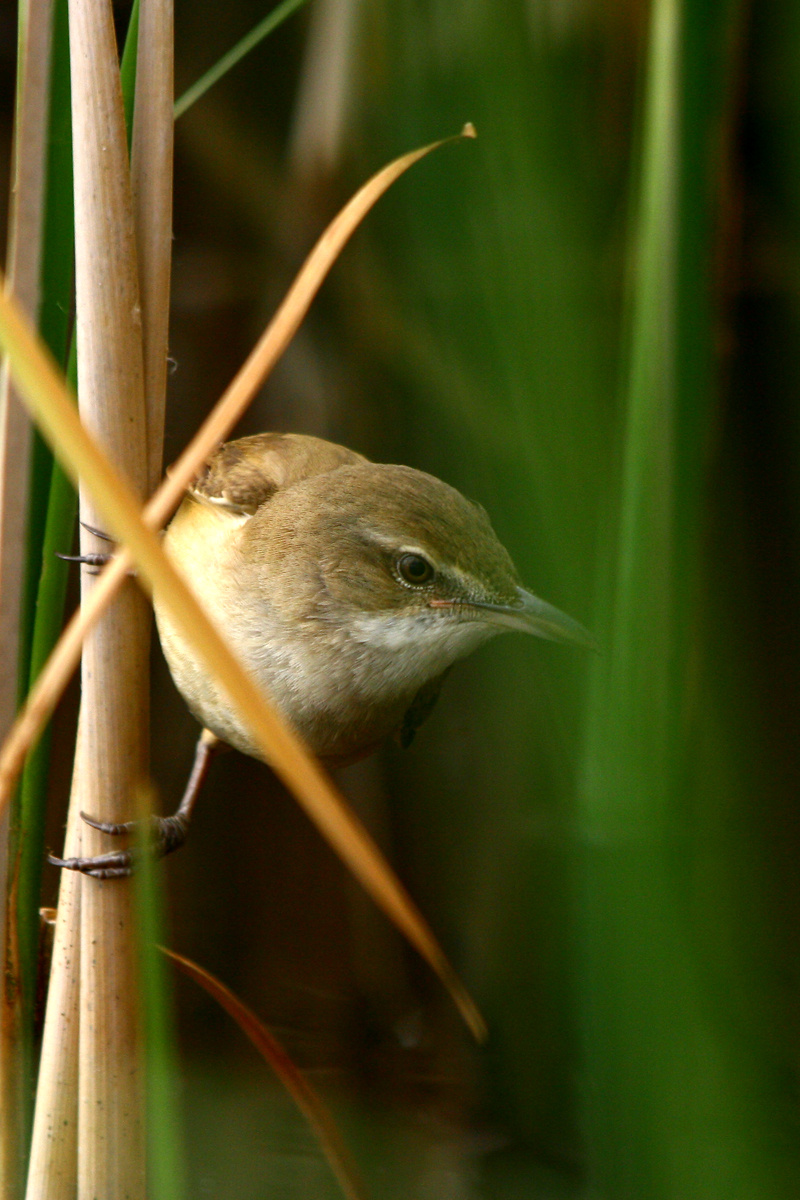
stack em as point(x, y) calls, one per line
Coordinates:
point(280, 745)
point(307, 1100)
point(233, 404)
point(48, 398)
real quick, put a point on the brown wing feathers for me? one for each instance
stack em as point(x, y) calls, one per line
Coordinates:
point(245, 473)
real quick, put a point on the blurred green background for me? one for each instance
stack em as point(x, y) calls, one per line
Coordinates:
point(585, 321)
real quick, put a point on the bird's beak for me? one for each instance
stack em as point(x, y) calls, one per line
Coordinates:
point(532, 615)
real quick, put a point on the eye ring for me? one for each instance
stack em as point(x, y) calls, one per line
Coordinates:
point(415, 570)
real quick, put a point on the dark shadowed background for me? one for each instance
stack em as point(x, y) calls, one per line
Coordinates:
point(477, 328)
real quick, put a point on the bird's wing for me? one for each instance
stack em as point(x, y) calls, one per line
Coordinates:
point(419, 711)
point(245, 473)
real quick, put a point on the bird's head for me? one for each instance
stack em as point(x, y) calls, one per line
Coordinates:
point(401, 563)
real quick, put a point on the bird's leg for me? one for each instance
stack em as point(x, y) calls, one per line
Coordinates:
point(166, 833)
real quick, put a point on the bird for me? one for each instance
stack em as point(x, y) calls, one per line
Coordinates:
point(347, 588)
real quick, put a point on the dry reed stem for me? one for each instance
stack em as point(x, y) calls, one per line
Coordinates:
point(54, 1146)
point(234, 402)
point(23, 266)
point(281, 747)
point(151, 182)
point(48, 397)
point(22, 281)
point(115, 682)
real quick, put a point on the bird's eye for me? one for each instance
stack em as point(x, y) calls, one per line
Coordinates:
point(415, 569)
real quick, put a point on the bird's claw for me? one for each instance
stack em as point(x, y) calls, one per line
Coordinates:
point(94, 561)
point(102, 866)
point(98, 533)
point(166, 834)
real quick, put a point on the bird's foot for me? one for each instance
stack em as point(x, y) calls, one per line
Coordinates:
point(93, 561)
point(166, 834)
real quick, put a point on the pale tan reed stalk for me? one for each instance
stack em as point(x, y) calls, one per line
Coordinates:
point(22, 281)
point(107, 1157)
point(114, 703)
point(23, 266)
point(53, 1167)
point(151, 181)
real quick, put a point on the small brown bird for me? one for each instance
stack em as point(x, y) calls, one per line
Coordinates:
point(347, 588)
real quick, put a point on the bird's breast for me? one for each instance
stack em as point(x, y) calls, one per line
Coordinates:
point(327, 685)
point(343, 676)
